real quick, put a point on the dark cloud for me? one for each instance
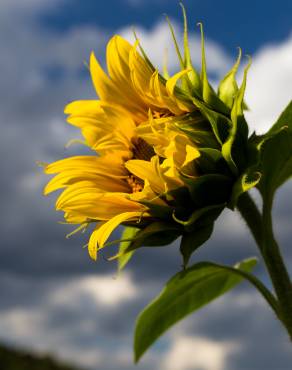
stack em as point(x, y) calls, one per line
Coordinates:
point(41, 72)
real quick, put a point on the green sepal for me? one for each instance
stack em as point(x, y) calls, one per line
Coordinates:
point(124, 257)
point(200, 217)
point(179, 198)
point(156, 234)
point(184, 294)
point(180, 58)
point(219, 122)
point(211, 161)
point(190, 242)
point(238, 132)
point(198, 129)
point(194, 78)
point(186, 83)
point(145, 56)
point(157, 210)
point(214, 154)
point(209, 95)
point(209, 189)
point(228, 86)
point(249, 179)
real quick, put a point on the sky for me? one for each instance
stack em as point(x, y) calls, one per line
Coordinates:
point(54, 299)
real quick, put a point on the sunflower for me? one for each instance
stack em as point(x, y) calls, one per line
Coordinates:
point(127, 168)
point(150, 135)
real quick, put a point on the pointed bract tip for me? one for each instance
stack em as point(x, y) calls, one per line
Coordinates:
point(134, 33)
point(249, 59)
point(239, 50)
point(183, 7)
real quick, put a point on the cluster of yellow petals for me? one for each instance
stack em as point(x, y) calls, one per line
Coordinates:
point(138, 151)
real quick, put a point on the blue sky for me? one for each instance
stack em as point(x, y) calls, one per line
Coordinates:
point(54, 299)
point(249, 24)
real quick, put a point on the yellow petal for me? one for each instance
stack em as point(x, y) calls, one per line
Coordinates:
point(84, 107)
point(102, 232)
point(171, 83)
point(94, 203)
point(191, 154)
point(117, 56)
point(103, 85)
point(88, 164)
point(184, 106)
point(170, 175)
point(115, 91)
point(92, 244)
point(104, 182)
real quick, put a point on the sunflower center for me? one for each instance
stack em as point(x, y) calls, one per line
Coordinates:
point(142, 150)
point(162, 114)
point(135, 183)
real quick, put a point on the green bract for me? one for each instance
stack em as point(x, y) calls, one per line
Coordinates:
point(228, 161)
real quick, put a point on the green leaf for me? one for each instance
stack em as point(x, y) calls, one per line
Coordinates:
point(285, 119)
point(276, 154)
point(192, 241)
point(185, 293)
point(124, 257)
point(276, 161)
point(155, 234)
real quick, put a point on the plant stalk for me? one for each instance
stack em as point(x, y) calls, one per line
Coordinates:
point(251, 215)
point(261, 228)
point(277, 268)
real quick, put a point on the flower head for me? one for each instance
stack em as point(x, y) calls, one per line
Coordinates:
point(163, 154)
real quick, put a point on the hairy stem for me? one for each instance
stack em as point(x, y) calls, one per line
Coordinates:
point(251, 216)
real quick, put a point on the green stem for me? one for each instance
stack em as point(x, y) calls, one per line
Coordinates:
point(276, 267)
point(252, 217)
point(262, 230)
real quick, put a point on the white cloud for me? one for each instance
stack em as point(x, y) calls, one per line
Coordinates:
point(86, 299)
point(269, 86)
point(98, 290)
point(26, 327)
point(27, 8)
point(190, 352)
